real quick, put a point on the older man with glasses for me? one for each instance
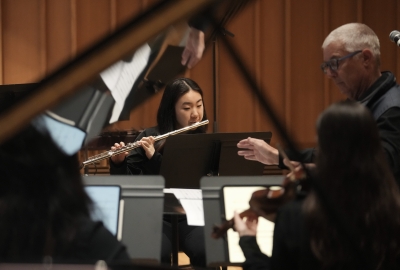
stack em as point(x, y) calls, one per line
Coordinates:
point(352, 60)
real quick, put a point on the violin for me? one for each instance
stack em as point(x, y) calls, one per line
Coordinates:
point(265, 202)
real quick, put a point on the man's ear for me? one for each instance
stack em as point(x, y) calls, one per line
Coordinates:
point(368, 57)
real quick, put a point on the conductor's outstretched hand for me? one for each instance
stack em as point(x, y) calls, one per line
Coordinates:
point(258, 150)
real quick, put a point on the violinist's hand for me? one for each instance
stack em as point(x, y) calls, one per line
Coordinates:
point(194, 48)
point(258, 150)
point(117, 159)
point(291, 164)
point(148, 145)
point(248, 227)
point(297, 171)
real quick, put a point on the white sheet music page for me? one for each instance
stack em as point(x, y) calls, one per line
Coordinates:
point(237, 199)
point(121, 76)
point(192, 202)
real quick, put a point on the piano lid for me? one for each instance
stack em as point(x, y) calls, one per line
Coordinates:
point(75, 74)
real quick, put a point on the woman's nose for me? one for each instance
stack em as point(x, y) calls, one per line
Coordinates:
point(195, 113)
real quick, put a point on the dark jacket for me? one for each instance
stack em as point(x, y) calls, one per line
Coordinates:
point(90, 243)
point(383, 100)
point(137, 162)
point(291, 248)
point(94, 242)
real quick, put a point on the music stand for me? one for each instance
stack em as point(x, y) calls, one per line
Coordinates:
point(188, 157)
point(143, 213)
point(217, 249)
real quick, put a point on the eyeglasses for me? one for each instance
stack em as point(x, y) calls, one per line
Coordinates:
point(333, 64)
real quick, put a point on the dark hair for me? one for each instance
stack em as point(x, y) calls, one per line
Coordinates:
point(354, 173)
point(166, 117)
point(41, 197)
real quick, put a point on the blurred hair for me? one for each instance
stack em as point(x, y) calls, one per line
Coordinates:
point(41, 197)
point(354, 173)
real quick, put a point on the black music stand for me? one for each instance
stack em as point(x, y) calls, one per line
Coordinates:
point(143, 213)
point(188, 157)
point(217, 249)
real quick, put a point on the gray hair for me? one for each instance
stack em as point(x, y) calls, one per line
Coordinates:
point(353, 37)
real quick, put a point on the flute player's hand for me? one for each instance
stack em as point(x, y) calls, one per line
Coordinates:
point(148, 145)
point(117, 159)
point(258, 150)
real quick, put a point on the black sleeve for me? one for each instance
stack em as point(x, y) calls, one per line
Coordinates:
point(137, 162)
point(287, 232)
point(291, 247)
point(118, 169)
point(105, 246)
point(255, 259)
point(306, 156)
point(200, 22)
point(389, 131)
point(94, 242)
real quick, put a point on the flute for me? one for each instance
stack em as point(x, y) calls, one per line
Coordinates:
point(134, 145)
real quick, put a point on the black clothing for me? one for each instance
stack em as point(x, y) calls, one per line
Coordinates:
point(383, 100)
point(200, 22)
point(305, 156)
point(291, 248)
point(91, 242)
point(137, 162)
point(94, 242)
point(191, 241)
point(191, 238)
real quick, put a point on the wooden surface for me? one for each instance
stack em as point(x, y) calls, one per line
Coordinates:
point(183, 259)
point(280, 40)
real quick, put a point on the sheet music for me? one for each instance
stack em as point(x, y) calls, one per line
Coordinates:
point(183, 193)
point(121, 76)
point(237, 199)
point(192, 202)
point(194, 211)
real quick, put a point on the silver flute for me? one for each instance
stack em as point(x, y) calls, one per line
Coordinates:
point(134, 145)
